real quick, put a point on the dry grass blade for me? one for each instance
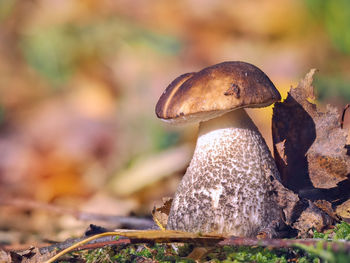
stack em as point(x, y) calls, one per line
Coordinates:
point(159, 236)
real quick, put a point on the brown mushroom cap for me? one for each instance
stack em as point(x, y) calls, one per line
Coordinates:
point(214, 91)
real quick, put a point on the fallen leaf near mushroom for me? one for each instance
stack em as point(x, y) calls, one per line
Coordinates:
point(343, 211)
point(327, 157)
point(31, 255)
point(309, 145)
point(290, 203)
point(5, 256)
point(326, 207)
point(160, 213)
point(287, 200)
point(312, 218)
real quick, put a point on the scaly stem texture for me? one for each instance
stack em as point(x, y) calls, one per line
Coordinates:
point(227, 188)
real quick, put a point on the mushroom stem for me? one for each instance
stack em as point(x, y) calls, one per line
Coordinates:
point(237, 119)
point(227, 187)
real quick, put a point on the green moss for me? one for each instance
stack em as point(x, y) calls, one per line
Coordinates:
point(340, 231)
point(227, 254)
point(326, 255)
point(133, 253)
point(258, 255)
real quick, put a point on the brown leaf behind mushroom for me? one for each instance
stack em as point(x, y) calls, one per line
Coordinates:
point(327, 157)
point(343, 211)
point(293, 131)
point(309, 145)
point(312, 218)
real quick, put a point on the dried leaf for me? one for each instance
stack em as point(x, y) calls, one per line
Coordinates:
point(31, 255)
point(343, 211)
point(289, 202)
point(160, 213)
point(311, 155)
point(4, 256)
point(327, 157)
point(326, 207)
point(293, 131)
point(310, 219)
point(198, 253)
point(309, 145)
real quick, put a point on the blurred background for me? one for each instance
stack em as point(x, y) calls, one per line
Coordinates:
point(79, 81)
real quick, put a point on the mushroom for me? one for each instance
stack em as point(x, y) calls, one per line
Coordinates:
point(227, 188)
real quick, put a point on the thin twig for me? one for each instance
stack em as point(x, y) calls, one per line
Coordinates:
point(96, 243)
point(71, 248)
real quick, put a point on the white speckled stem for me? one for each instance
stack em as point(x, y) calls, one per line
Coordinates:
point(227, 187)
